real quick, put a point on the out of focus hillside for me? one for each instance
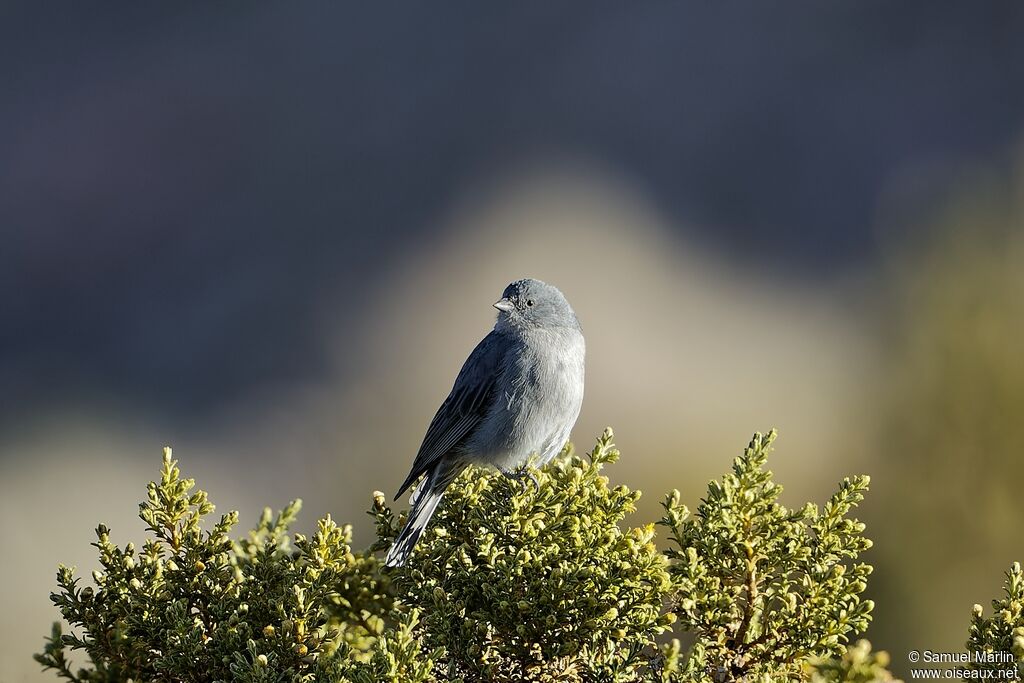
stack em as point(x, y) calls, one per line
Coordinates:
point(946, 416)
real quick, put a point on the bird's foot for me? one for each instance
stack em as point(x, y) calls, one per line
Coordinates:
point(523, 472)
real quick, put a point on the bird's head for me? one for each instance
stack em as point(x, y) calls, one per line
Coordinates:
point(530, 303)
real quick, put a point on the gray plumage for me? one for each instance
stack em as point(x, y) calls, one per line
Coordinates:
point(518, 394)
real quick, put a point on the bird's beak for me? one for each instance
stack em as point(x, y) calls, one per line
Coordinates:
point(504, 305)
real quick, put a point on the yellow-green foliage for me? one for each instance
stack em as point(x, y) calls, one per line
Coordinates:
point(195, 605)
point(857, 665)
point(538, 583)
point(397, 655)
point(512, 582)
point(763, 587)
point(1003, 632)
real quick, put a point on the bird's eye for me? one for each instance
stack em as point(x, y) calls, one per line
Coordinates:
point(529, 302)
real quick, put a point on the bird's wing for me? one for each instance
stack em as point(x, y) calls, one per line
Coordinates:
point(464, 408)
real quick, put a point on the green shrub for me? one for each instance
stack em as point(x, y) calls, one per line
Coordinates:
point(764, 588)
point(858, 664)
point(194, 605)
point(1003, 632)
point(511, 583)
point(538, 583)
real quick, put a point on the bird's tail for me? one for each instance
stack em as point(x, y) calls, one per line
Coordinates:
point(424, 501)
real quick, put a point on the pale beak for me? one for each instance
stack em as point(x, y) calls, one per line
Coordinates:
point(504, 305)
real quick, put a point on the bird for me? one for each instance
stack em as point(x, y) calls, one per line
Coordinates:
point(516, 397)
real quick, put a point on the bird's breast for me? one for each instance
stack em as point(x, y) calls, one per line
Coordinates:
point(550, 390)
point(537, 401)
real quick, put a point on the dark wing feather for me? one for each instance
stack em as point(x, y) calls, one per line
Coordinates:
point(464, 408)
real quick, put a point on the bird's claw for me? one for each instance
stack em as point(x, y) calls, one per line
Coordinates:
point(525, 472)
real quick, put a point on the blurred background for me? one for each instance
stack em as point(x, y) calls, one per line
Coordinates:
point(269, 235)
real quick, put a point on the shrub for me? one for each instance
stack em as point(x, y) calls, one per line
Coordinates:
point(198, 606)
point(1003, 632)
point(538, 583)
point(858, 664)
point(764, 588)
point(512, 582)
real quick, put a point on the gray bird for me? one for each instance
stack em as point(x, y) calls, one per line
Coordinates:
point(518, 394)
